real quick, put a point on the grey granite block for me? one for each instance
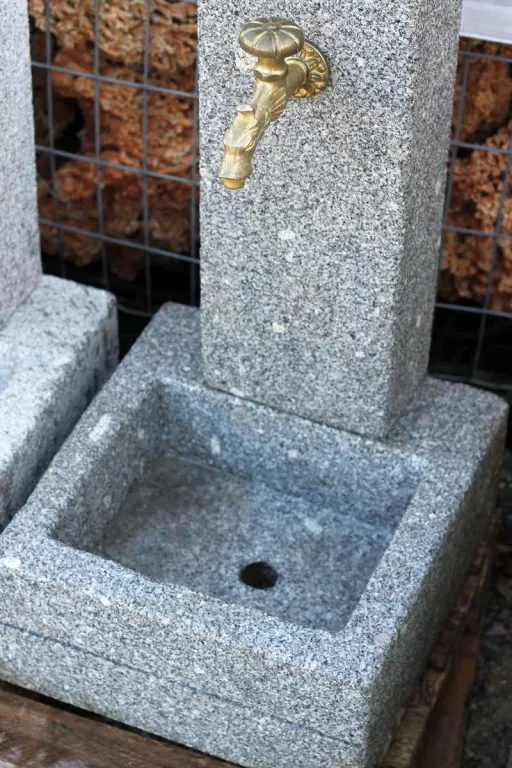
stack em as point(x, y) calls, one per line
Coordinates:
point(121, 576)
point(56, 350)
point(318, 278)
point(20, 267)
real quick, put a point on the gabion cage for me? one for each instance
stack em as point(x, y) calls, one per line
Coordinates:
point(115, 94)
point(472, 339)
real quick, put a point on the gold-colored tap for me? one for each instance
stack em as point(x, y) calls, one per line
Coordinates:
point(287, 66)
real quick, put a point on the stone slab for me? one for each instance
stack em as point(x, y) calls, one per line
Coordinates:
point(319, 277)
point(20, 267)
point(56, 351)
point(168, 647)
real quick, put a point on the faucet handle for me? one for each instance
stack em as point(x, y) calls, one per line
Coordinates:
point(287, 66)
point(272, 38)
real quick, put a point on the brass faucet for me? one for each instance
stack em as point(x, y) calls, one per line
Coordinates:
point(287, 66)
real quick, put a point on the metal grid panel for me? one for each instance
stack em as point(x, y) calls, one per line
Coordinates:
point(472, 340)
point(141, 298)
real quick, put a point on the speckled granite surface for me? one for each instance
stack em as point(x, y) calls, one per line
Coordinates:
point(56, 350)
point(20, 266)
point(202, 661)
point(198, 527)
point(318, 278)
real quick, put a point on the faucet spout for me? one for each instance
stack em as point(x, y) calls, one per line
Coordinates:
point(239, 145)
point(286, 67)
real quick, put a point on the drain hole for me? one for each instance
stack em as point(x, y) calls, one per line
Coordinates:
point(259, 575)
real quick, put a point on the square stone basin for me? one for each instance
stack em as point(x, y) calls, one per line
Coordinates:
point(253, 584)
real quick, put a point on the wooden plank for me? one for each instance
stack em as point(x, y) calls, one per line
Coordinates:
point(35, 734)
point(444, 734)
point(408, 738)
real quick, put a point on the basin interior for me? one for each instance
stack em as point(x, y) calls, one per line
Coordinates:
point(210, 531)
point(294, 534)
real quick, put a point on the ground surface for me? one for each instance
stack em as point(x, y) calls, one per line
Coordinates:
point(489, 734)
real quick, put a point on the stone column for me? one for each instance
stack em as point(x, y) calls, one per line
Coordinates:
point(20, 267)
point(318, 278)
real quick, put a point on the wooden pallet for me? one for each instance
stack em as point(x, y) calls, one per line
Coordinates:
point(38, 733)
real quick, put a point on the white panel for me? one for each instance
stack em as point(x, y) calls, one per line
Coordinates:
point(487, 20)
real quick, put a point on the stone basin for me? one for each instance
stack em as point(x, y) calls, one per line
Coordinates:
point(56, 350)
point(261, 587)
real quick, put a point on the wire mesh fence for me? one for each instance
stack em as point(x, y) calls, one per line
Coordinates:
point(116, 139)
point(115, 94)
point(472, 336)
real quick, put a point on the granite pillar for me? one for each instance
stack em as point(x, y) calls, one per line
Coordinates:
point(20, 267)
point(318, 278)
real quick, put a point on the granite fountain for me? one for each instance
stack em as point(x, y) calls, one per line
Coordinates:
point(250, 540)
